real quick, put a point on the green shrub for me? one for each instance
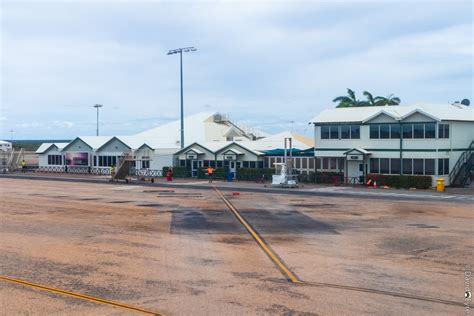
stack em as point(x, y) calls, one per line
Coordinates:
point(325, 177)
point(401, 181)
point(254, 174)
point(178, 172)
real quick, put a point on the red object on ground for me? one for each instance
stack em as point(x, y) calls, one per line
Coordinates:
point(169, 175)
point(235, 193)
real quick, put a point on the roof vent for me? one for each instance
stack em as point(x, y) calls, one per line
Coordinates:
point(466, 102)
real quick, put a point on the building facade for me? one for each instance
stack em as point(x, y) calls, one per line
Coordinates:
point(402, 140)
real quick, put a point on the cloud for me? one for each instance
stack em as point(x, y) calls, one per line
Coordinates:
point(272, 62)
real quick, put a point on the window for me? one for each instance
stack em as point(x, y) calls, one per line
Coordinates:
point(385, 131)
point(407, 166)
point(443, 166)
point(297, 162)
point(374, 165)
point(182, 162)
point(395, 166)
point(333, 163)
point(430, 130)
point(355, 131)
point(253, 164)
point(340, 163)
point(407, 131)
point(394, 130)
point(418, 130)
point(325, 163)
point(146, 164)
point(417, 166)
point(345, 131)
point(304, 161)
point(384, 165)
point(246, 164)
point(55, 160)
point(429, 166)
point(334, 132)
point(374, 131)
point(260, 164)
point(443, 131)
point(219, 164)
point(324, 132)
point(318, 163)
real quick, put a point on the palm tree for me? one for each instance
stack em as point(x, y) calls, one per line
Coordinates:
point(370, 98)
point(389, 100)
point(347, 101)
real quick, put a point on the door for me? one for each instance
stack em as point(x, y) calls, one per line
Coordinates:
point(353, 170)
point(194, 168)
point(232, 167)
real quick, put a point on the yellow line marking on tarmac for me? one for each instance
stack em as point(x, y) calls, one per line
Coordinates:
point(269, 252)
point(79, 295)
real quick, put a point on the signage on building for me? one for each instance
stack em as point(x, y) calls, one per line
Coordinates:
point(229, 157)
point(354, 157)
point(191, 156)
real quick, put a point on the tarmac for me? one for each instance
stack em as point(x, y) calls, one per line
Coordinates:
point(83, 247)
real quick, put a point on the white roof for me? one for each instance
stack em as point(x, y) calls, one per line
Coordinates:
point(45, 146)
point(169, 134)
point(441, 112)
point(3, 142)
point(278, 141)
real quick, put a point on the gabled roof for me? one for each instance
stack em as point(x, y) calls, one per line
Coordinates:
point(75, 140)
point(44, 147)
point(111, 140)
point(359, 150)
point(377, 114)
point(243, 145)
point(421, 112)
point(232, 150)
point(439, 112)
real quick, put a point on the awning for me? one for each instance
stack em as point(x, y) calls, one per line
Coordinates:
point(357, 151)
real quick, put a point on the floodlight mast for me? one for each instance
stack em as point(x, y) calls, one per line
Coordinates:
point(180, 52)
point(97, 106)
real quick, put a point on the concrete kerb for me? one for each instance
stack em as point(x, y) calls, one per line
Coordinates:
point(341, 194)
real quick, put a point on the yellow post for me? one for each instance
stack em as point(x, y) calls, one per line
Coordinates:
point(440, 185)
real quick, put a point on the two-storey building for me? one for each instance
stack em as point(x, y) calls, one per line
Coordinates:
point(423, 139)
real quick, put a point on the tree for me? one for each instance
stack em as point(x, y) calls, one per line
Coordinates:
point(348, 101)
point(370, 98)
point(389, 100)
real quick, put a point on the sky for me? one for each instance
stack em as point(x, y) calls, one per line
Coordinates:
point(271, 65)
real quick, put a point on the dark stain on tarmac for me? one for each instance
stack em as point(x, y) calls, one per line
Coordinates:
point(323, 205)
point(118, 202)
point(284, 222)
point(207, 221)
point(423, 226)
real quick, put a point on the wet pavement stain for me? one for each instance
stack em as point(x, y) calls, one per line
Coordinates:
point(423, 226)
point(211, 221)
point(118, 202)
point(287, 222)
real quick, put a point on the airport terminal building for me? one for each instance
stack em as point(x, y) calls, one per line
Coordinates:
point(423, 139)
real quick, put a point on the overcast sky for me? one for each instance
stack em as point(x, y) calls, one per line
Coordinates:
point(263, 64)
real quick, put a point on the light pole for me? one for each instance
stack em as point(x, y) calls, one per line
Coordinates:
point(180, 52)
point(11, 135)
point(97, 106)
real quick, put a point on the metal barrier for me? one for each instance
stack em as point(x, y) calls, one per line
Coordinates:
point(146, 172)
point(100, 171)
point(50, 169)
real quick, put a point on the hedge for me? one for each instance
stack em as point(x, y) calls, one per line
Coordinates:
point(403, 181)
point(254, 174)
point(178, 172)
point(322, 177)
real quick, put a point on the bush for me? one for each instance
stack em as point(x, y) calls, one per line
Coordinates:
point(218, 173)
point(178, 172)
point(403, 181)
point(254, 174)
point(324, 177)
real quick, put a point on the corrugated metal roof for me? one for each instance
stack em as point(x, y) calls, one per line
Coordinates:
point(45, 146)
point(444, 112)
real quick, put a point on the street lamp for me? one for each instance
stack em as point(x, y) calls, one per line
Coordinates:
point(180, 52)
point(97, 106)
point(11, 135)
